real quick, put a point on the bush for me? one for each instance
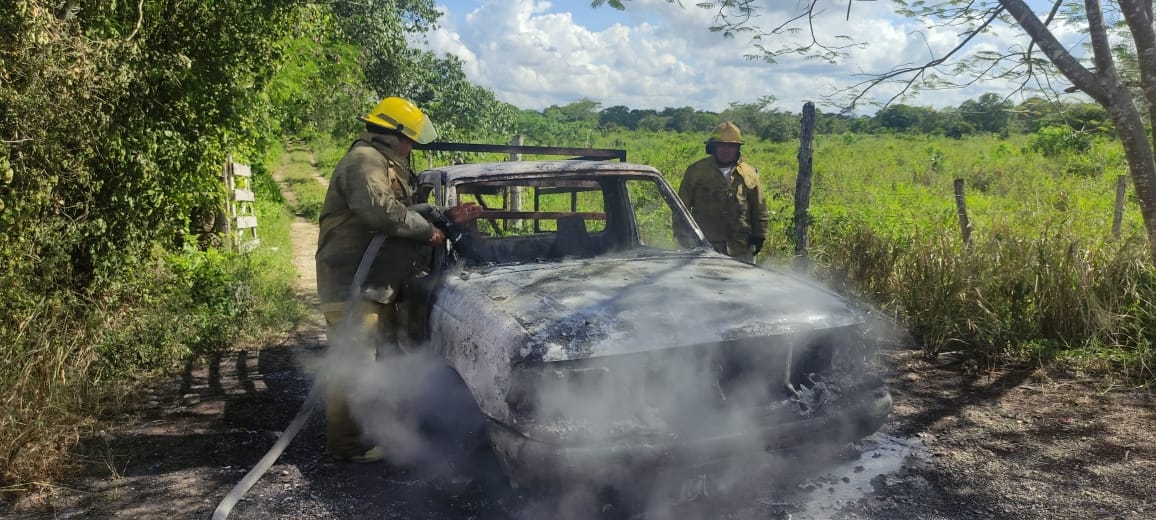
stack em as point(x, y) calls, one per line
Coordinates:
point(1052, 141)
point(70, 361)
point(1084, 165)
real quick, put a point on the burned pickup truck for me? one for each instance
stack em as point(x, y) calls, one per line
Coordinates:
point(601, 335)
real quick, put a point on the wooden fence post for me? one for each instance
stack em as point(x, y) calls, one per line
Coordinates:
point(803, 184)
point(1118, 216)
point(230, 205)
point(515, 193)
point(961, 209)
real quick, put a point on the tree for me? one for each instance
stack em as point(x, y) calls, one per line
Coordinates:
point(759, 118)
point(838, 123)
point(1033, 114)
point(686, 119)
point(653, 123)
point(638, 115)
point(990, 113)
point(342, 56)
point(1100, 75)
point(460, 110)
point(617, 116)
point(902, 118)
point(377, 26)
point(583, 111)
point(312, 64)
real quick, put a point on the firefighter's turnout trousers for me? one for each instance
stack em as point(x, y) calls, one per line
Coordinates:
point(369, 332)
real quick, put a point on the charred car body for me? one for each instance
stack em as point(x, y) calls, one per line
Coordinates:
point(602, 337)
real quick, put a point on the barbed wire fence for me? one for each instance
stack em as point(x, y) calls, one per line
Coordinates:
point(967, 218)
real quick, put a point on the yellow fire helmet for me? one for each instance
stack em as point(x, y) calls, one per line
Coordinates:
point(402, 115)
point(727, 132)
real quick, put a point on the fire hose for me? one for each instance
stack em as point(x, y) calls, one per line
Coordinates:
point(461, 244)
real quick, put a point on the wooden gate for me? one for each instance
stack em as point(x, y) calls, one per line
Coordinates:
point(241, 221)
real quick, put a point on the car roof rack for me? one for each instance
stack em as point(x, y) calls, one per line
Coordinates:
point(583, 154)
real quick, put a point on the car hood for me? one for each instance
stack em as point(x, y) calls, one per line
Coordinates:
point(587, 308)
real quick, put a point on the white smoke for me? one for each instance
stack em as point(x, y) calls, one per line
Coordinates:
point(407, 403)
point(675, 398)
point(670, 397)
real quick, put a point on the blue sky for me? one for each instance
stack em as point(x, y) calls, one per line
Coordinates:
point(535, 53)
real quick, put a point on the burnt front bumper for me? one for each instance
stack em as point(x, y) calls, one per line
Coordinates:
point(531, 462)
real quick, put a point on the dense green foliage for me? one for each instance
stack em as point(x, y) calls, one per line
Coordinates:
point(116, 119)
point(344, 57)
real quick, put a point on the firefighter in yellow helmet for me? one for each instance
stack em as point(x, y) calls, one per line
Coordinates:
point(723, 194)
point(369, 194)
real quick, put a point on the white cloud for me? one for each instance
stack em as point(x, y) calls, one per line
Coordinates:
point(659, 55)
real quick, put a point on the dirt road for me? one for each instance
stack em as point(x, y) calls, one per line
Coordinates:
point(1015, 444)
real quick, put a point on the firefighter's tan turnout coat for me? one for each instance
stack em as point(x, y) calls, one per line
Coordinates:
point(730, 213)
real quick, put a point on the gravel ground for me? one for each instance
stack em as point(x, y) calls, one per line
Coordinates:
point(1012, 445)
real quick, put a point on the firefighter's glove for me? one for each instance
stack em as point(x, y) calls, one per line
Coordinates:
point(438, 238)
point(756, 244)
point(447, 229)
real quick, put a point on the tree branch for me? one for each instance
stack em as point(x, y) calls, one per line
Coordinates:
point(1051, 16)
point(1101, 47)
point(1138, 15)
point(139, 19)
point(919, 71)
point(1071, 68)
